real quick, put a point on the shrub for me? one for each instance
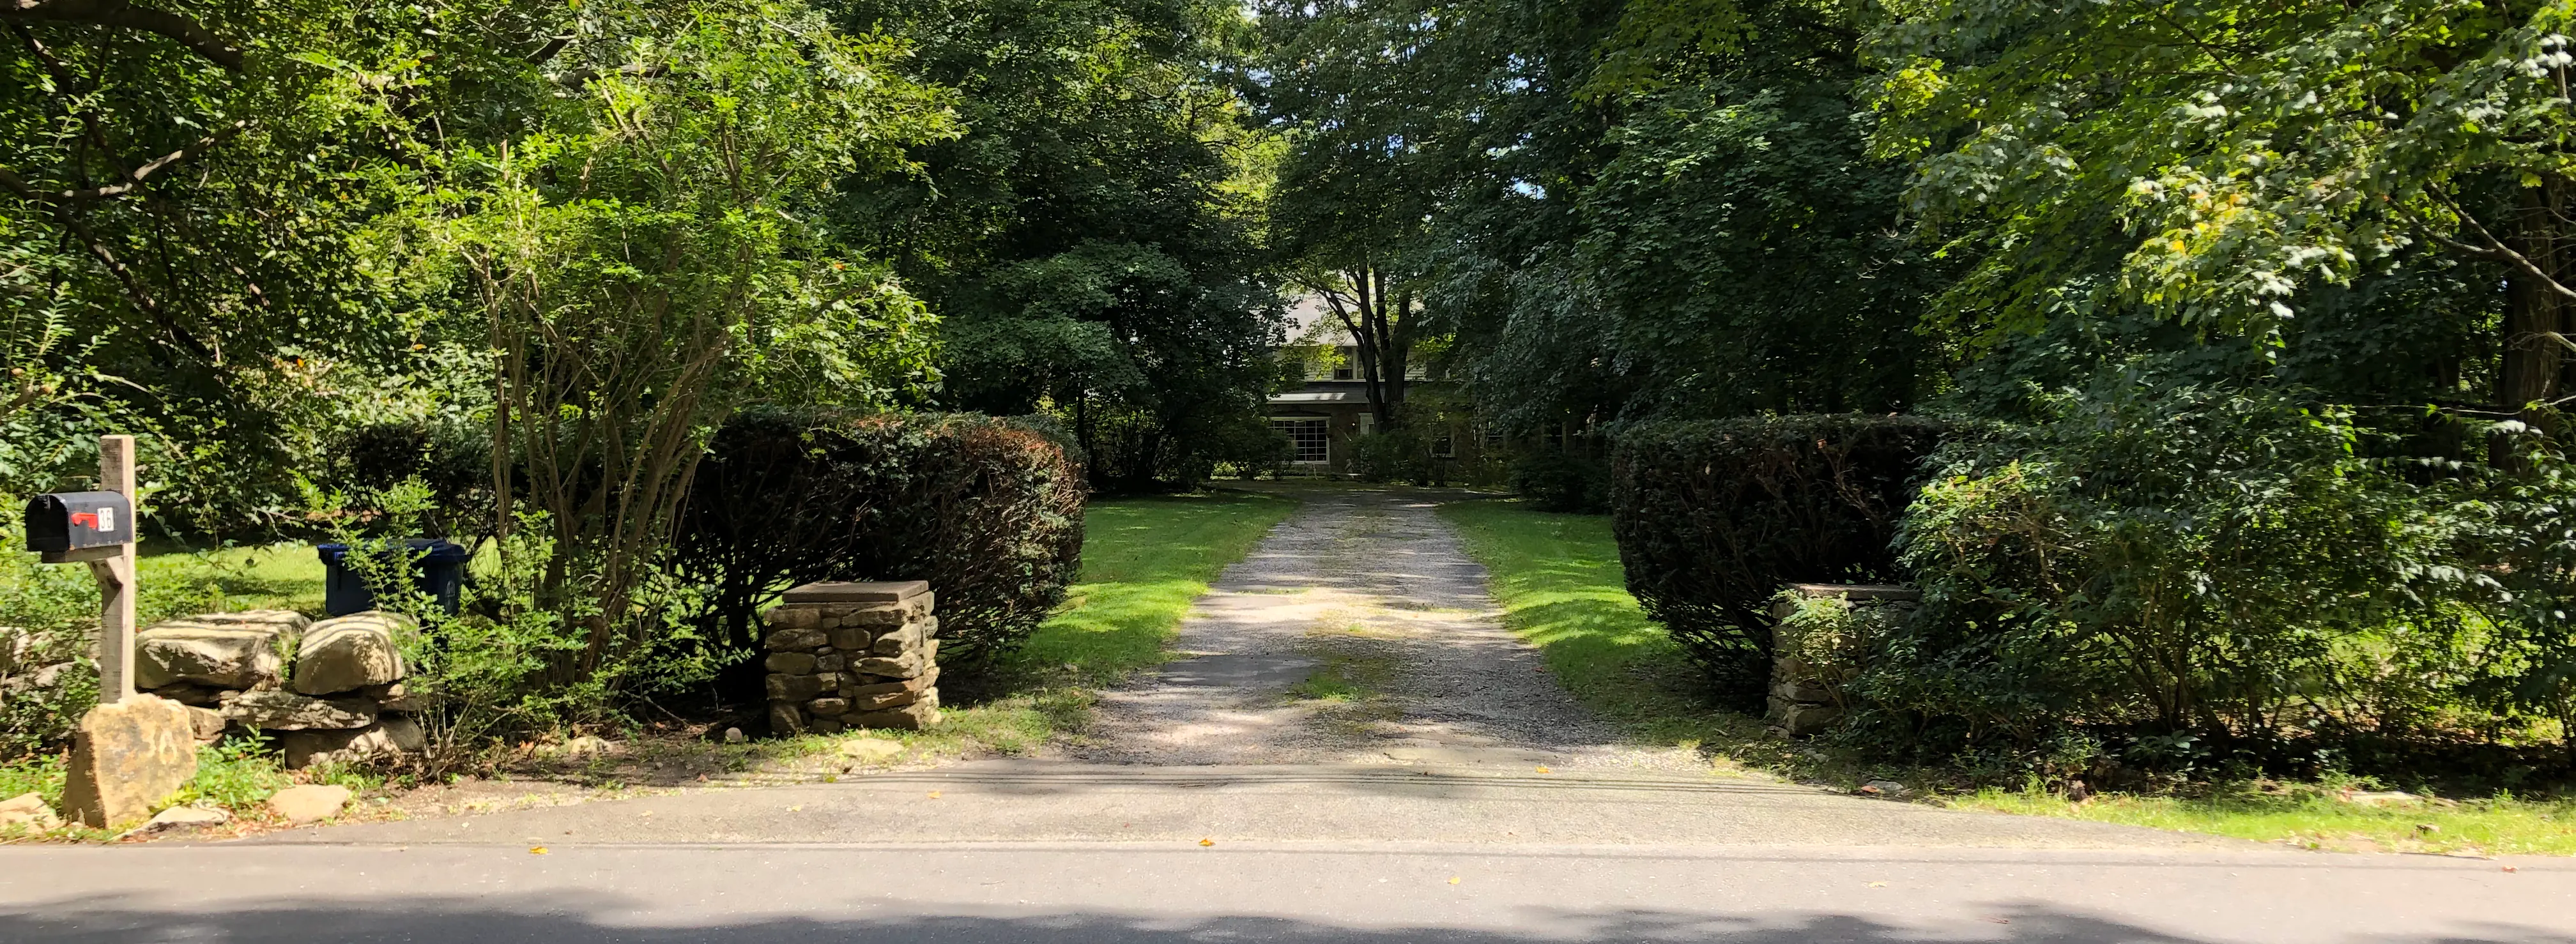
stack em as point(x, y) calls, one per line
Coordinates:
point(451, 462)
point(1562, 480)
point(48, 634)
point(2171, 569)
point(988, 510)
point(1829, 639)
point(1714, 516)
point(1397, 454)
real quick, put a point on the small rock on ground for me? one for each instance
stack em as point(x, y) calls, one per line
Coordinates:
point(309, 803)
point(178, 819)
point(868, 748)
point(28, 810)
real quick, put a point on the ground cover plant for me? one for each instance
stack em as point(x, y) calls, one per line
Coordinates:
point(1144, 560)
point(1557, 577)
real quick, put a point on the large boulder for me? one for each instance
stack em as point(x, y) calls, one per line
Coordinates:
point(395, 736)
point(352, 652)
point(287, 711)
point(127, 757)
point(218, 650)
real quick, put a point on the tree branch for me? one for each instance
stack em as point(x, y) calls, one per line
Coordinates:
point(125, 277)
point(2497, 250)
point(126, 15)
point(580, 77)
point(136, 178)
point(548, 51)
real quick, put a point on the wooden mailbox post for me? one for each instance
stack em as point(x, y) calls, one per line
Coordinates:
point(89, 519)
point(132, 751)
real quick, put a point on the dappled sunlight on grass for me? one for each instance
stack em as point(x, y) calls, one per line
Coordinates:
point(1143, 561)
point(1562, 589)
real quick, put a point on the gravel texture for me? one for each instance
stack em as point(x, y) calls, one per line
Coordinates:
point(1357, 632)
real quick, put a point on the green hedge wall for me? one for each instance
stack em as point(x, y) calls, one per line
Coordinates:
point(1713, 516)
point(988, 509)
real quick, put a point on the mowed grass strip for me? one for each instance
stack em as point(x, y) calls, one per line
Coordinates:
point(1143, 561)
point(1558, 579)
point(1561, 588)
point(2307, 816)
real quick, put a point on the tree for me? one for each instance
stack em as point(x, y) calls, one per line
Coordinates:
point(1619, 209)
point(649, 256)
point(1343, 84)
point(1381, 318)
point(181, 190)
point(1090, 241)
point(2212, 164)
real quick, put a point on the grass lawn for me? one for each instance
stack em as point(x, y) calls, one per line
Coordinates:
point(1144, 560)
point(1561, 588)
point(178, 581)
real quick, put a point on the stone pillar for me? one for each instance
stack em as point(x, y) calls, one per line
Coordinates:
point(853, 655)
point(1808, 698)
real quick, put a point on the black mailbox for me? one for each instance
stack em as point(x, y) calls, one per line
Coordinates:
point(72, 521)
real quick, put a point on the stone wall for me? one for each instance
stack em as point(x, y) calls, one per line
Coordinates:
point(1806, 685)
point(329, 691)
point(853, 655)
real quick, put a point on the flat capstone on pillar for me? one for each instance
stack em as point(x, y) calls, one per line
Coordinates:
point(852, 654)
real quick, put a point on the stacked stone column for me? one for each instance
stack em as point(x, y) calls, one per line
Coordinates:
point(853, 655)
point(1807, 699)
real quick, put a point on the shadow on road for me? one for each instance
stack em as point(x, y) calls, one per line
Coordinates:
point(556, 920)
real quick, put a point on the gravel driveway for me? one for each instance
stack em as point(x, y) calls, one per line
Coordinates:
point(1357, 632)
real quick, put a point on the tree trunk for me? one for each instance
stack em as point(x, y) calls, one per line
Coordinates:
point(2528, 377)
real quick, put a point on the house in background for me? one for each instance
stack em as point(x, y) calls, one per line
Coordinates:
point(1324, 416)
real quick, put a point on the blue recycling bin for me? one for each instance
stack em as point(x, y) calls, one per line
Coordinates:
point(438, 570)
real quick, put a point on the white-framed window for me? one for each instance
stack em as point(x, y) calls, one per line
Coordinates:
point(1312, 437)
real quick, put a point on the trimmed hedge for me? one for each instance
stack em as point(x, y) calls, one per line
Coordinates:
point(1714, 516)
point(988, 509)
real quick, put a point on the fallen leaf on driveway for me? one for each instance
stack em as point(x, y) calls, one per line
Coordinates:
point(1453, 880)
point(934, 794)
point(1545, 770)
point(536, 850)
point(1207, 842)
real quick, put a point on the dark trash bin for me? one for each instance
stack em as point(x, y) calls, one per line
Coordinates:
point(438, 570)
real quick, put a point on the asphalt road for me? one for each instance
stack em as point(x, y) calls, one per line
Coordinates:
point(1474, 797)
point(967, 893)
point(1463, 853)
